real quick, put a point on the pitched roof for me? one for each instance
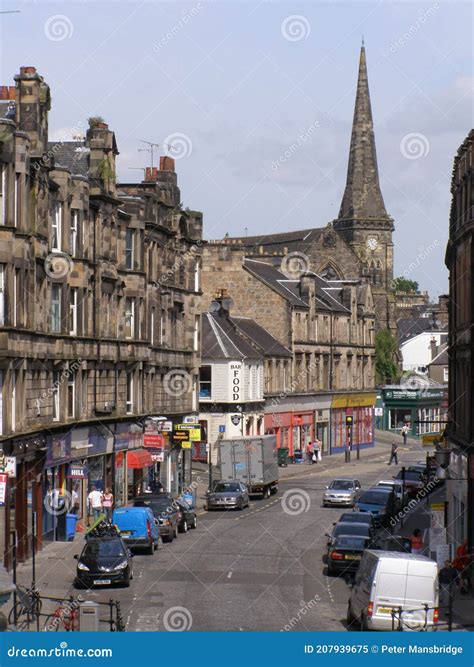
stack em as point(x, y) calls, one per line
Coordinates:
point(442, 358)
point(220, 340)
point(362, 198)
point(410, 327)
point(71, 155)
point(267, 344)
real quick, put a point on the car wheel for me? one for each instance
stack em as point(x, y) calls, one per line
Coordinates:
point(151, 548)
point(185, 527)
point(330, 572)
point(363, 623)
point(266, 493)
point(126, 582)
point(170, 537)
point(175, 533)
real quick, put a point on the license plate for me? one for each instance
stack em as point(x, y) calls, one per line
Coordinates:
point(385, 610)
point(349, 557)
point(102, 582)
point(126, 532)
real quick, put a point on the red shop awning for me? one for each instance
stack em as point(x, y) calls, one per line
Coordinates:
point(139, 458)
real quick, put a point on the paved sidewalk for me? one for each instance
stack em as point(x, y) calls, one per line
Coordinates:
point(419, 517)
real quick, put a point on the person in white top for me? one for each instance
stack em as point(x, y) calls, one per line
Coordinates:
point(94, 500)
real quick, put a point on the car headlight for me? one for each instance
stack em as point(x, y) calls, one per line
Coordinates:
point(81, 566)
point(121, 566)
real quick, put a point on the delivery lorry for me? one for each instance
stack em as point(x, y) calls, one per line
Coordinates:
point(251, 460)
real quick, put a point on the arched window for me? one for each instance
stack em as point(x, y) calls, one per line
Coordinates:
point(330, 272)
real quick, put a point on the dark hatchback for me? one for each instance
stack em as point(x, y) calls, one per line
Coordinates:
point(104, 561)
point(345, 553)
point(164, 509)
point(378, 502)
point(351, 528)
point(357, 517)
point(188, 517)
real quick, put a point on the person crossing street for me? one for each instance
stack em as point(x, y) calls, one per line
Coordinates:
point(393, 454)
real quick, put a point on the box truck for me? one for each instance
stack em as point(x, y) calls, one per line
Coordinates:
point(252, 460)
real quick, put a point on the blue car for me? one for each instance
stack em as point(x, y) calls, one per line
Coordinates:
point(138, 527)
point(379, 502)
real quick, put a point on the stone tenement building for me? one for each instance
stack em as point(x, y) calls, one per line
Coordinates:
point(460, 262)
point(329, 328)
point(358, 245)
point(99, 313)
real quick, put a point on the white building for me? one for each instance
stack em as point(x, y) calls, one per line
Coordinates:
point(418, 351)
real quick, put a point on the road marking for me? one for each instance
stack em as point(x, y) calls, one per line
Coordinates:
point(229, 575)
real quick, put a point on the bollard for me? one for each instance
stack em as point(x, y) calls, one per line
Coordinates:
point(89, 616)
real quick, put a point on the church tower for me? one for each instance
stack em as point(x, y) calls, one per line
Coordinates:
point(363, 220)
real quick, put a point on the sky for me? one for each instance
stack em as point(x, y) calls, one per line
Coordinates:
point(255, 102)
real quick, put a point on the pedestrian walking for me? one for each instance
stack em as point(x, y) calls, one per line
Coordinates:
point(417, 542)
point(94, 502)
point(447, 577)
point(461, 563)
point(393, 454)
point(404, 433)
point(309, 452)
point(108, 503)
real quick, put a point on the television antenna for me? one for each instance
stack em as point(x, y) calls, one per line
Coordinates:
point(152, 146)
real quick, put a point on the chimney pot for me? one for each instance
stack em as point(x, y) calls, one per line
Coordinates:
point(166, 163)
point(27, 70)
point(151, 174)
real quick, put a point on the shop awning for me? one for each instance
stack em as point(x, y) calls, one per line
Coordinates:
point(139, 458)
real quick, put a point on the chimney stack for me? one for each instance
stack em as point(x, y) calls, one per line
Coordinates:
point(33, 103)
point(7, 93)
point(151, 175)
point(434, 347)
point(166, 163)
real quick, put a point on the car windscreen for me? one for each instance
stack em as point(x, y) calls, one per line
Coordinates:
point(103, 549)
point(351, 542)
point(355, 517)
point(226, 488)
point(374, 498)
point(351, 529)
point(341, 485)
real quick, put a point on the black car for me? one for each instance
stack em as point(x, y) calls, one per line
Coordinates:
point(351, 528)
point(104, 561)
point(387, 542)
point(188, 517)
point(345, 553)
point(357, 517)
point(164, 509)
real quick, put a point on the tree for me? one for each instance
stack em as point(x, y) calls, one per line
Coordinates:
point(406, 285)
point(386, 354)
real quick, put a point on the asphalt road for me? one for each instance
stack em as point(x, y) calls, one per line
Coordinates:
point(258, 569)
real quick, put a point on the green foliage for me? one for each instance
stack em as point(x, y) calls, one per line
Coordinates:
point(94, 121)
point(406, 285)
point(386, 354)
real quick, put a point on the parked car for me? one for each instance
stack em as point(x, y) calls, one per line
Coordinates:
point(387, 582)
point(228, 495)
point(165, 510)
point(341, 492)
point(387, 542)
point(188, 517)
point(104, 561)
point(400, 494)
point(413, 480)
point(381, 503)
point(345, 553)
point(351, 528)
point(138, 527)
point(357, 517)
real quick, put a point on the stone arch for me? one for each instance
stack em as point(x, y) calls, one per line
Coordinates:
point(330, 271)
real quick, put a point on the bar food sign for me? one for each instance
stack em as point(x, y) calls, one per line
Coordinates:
point(236, 382)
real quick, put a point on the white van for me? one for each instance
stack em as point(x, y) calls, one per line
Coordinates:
point(394, 590)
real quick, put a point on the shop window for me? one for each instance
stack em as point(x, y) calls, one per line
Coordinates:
point(397, 418)
point(205, 382)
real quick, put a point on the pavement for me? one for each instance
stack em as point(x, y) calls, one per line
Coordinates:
point(260, 569)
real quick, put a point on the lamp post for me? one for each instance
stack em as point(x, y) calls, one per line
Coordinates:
point(349, 425)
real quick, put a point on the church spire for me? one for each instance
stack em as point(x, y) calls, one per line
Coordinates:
point(362, 198)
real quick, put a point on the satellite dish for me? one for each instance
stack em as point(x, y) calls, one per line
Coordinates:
point(214, 307)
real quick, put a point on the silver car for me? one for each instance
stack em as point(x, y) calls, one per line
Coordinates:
point(341, 492)
point(228, 495)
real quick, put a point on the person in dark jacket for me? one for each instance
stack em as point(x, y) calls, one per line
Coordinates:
point(393, 454)
point(447, 577)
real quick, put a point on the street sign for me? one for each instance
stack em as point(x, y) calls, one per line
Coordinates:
point(194, 431)
point(180, 436)
point(186, 445)
point(3, 487)
point(221, 428)
point(443, 553)
point(235, 419)
point(432, 438)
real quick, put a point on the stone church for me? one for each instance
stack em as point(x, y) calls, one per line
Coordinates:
point(358, 244)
